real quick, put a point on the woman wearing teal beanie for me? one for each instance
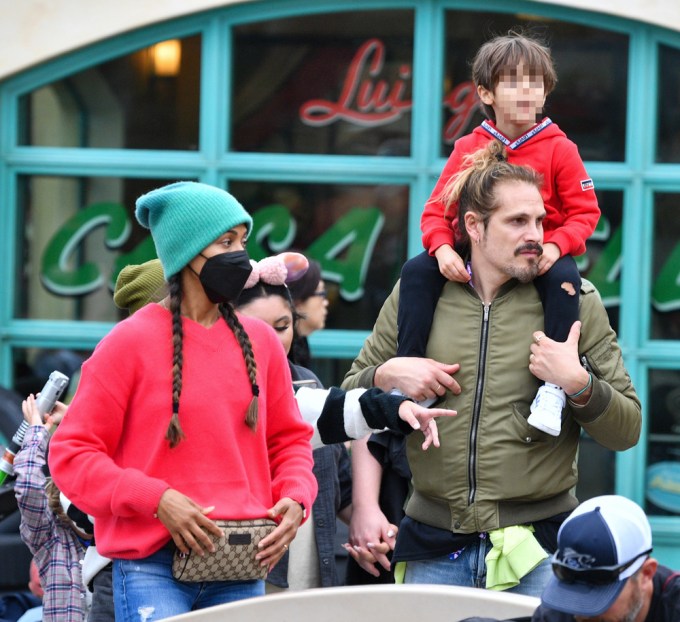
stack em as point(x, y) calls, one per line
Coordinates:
point(184, 415)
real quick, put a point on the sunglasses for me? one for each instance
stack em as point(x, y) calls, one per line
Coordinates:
point(598, 575)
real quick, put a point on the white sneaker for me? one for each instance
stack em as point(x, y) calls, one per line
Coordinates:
point(546, 409)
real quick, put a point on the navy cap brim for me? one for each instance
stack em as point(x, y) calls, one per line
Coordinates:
point(581, 599)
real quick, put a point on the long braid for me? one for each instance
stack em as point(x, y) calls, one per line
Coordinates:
point(230, 317)
point(174, 433)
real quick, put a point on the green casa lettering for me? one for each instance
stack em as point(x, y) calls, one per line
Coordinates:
point(344, 252)
point(353, 236)
point(61, 271)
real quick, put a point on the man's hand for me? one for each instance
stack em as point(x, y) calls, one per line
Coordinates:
point(451, 264)
point(187, 522)
point(419, 378)
point(556, 362)
point(420, 418)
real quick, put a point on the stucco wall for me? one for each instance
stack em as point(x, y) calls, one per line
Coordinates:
point(33, 31)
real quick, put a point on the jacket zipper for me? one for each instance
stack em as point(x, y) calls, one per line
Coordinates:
point(477, 406)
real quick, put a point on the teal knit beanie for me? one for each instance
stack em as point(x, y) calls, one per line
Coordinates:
point(185, 217)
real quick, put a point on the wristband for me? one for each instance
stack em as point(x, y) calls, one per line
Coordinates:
point(584, 389)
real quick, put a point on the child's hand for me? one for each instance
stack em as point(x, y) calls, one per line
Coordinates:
point(451, 264)
point(551, 253)
point(32, 415)
point(57, 414)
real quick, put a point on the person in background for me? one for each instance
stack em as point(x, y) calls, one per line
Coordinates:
point(183, 415)
point(25, 605)
point(36, 613)
point(310, 561)
point(50, 526)
point(603, 570)
point(311, 304)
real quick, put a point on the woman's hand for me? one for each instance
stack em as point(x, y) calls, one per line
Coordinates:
point(371, 537)
point(420, 418)
point(187, 522)
point(273, 547)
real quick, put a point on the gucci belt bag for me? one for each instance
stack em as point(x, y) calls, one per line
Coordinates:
point(234, 556)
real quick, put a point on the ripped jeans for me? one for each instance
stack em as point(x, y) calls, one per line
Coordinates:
point(144, 590)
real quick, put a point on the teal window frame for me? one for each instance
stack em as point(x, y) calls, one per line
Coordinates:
point(638, 176)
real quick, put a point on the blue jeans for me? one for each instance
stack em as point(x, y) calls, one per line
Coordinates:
point(144, 590)
point(469, 570)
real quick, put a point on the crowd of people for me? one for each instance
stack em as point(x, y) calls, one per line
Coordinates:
point(202, 408)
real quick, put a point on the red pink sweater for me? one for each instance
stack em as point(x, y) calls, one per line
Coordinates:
point(110, 457)
point(568, 193)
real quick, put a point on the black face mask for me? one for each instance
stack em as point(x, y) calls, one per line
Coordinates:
point(223, 276)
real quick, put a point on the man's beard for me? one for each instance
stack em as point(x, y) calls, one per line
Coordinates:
point(525, 274)
point(636, 603)
point(635, 607)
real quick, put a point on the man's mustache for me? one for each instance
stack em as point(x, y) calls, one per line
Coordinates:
point(529, 247)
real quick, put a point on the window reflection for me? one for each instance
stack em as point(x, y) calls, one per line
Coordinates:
point(665, 278)
point(602, 263)
point(663, 453)
point(356, 232)
point(146, 100)
point(74, 235)
point(333, 83)
point(589, 106)
point(668, 105)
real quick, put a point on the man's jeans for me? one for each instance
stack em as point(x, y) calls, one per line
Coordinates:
point(469, 570)
point(145, 590)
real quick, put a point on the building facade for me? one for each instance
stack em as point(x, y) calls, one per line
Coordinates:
point(331, 121)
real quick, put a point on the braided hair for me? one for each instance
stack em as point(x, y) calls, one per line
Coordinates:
point(174, 433)
point(230, 317)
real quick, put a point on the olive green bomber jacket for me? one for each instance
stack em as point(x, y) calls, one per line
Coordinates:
point(493, 469)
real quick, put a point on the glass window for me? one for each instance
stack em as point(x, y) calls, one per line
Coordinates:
point(74, 235)
point(601, 264)
point(589, 106)
point(332, 83)
point(665, 281)
point(663, 451)
point(356, 232)
point(668, 105)
point(146, 100)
